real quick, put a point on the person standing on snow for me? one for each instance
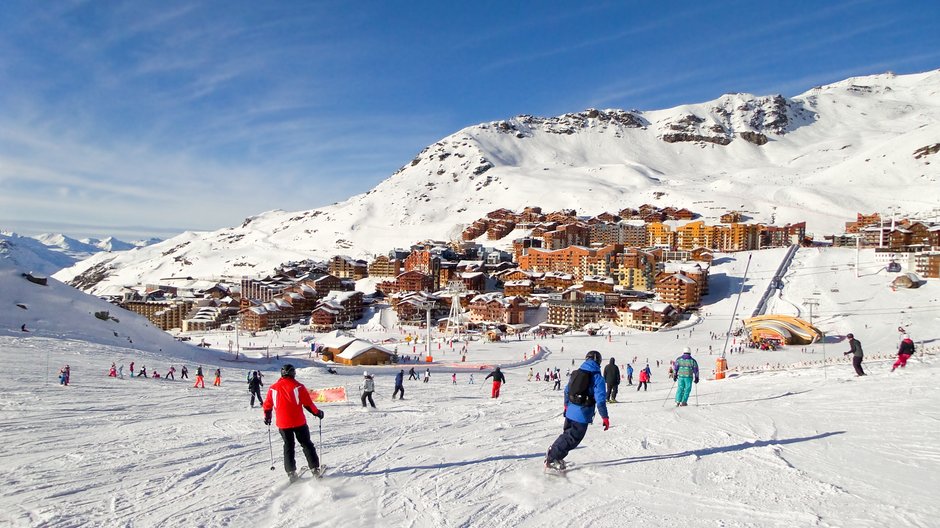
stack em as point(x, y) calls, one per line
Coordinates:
point(399, 385)
point(132, 369)
point(557, 377)
point(254, 388)
point(857, 354)
point(584, 392)
point(612, 380)
point(629, 374)
point(200, 379)
point(121, 371)
point(905, 351)
point(143, 372)
point(170, 374)
point(427, 375)
point(184, 373)
point(368, 387)
point(649, 373)
point(113, 372)
point(530, 375)
point(498, 380)
point(643, 381)
point(288, 398)
point(412, 375)
point(453, 378)
point(218, 378)
point(686, 373)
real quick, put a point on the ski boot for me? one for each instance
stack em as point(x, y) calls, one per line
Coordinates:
point(292, 476)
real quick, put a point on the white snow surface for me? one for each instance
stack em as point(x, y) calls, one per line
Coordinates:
point(784, 441)
point(831, 152)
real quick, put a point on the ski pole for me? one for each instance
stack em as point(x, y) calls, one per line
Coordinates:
point(320, 427)
point(271, 447)
point(668, 393)
point(696, 394)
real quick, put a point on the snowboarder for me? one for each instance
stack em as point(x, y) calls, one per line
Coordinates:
point(612, 380)
point(686, 373)
point(498, 379)
point(412, 375)
point(200, 380)
point(254, 388)
point(857, 354)
point(629, 374)
point(643, 381)
point(288, 399)
point(585, 390)
point(905, 351)
point(218, 378)
point(171, 374)
point(399, 385)
point(427, 375)
point(368, 387)
point(184, 373)
point(23, 328)
point(113, 372)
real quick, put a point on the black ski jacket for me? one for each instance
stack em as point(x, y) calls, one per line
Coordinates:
point(497, 375)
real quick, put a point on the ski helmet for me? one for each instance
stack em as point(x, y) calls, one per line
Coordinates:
point(849, 335)
point(686, 350)
point(365, 374)
point(595, 356)
point(288, 371)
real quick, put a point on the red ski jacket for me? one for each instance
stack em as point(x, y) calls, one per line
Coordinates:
point(288, 398)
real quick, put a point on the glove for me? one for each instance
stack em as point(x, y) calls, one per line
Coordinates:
point(696, 380)
point(267, 417)
point(675, 378)
point(566, 410)
point(320, 413)
point(606, 423)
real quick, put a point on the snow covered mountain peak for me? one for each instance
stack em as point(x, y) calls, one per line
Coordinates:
point(859, 145)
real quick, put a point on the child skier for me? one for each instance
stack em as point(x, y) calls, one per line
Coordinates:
point(200, 380)
point(218, 378)
point(184, 373)
point(113, 372)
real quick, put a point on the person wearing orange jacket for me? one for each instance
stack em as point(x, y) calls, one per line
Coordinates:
point(288, 398)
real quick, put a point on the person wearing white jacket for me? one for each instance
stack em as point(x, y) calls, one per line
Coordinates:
point(368, 387)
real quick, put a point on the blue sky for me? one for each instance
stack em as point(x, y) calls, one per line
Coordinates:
point(134, 118)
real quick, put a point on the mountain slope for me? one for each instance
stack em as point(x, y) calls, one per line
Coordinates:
point(861, 145)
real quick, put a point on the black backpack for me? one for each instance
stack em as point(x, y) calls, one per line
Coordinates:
point(581, 388)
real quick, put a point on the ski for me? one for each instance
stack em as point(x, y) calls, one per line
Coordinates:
point(558, 472)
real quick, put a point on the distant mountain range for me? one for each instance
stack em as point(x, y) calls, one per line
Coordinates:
point(865, 144)
point(48, 253)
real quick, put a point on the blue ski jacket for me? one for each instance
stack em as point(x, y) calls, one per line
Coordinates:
point(582, 413)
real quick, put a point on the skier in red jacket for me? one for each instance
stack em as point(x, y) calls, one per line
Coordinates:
point(288, 398)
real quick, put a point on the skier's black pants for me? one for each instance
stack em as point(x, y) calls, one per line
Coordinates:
point(184, 376)
point(612, 392)
point(303, 438)
point(642, 385)
point(412, 376)
point(365, 396)
point(401, 389)
point(629, 379)
point(256, 392)
point(571, 436)
point(857, 363)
